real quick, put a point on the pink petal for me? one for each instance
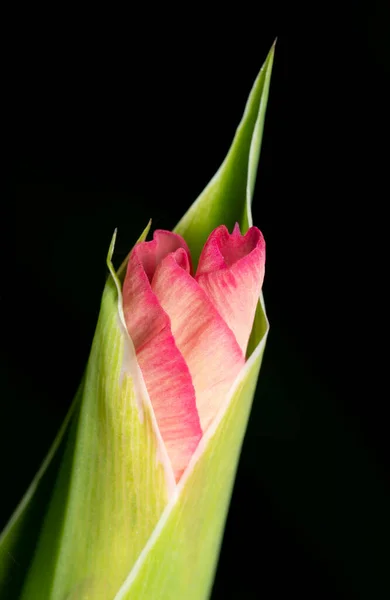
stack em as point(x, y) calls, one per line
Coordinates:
point(231, 272)
point(207, 344)
point(164, 369)
point(152, 253)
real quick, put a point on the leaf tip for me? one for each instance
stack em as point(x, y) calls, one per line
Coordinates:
point(111, 248)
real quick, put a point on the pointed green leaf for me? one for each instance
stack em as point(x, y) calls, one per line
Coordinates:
point(115, 479)
point(228, 196)
point(18, 539)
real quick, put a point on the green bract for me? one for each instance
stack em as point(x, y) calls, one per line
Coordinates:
point(117, 527)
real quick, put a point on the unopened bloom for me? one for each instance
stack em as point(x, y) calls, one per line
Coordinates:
point(190, 331)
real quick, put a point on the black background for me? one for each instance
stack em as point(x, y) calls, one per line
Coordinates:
point(118, 119)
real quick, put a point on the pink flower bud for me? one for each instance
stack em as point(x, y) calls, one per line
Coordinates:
point(190, 333)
